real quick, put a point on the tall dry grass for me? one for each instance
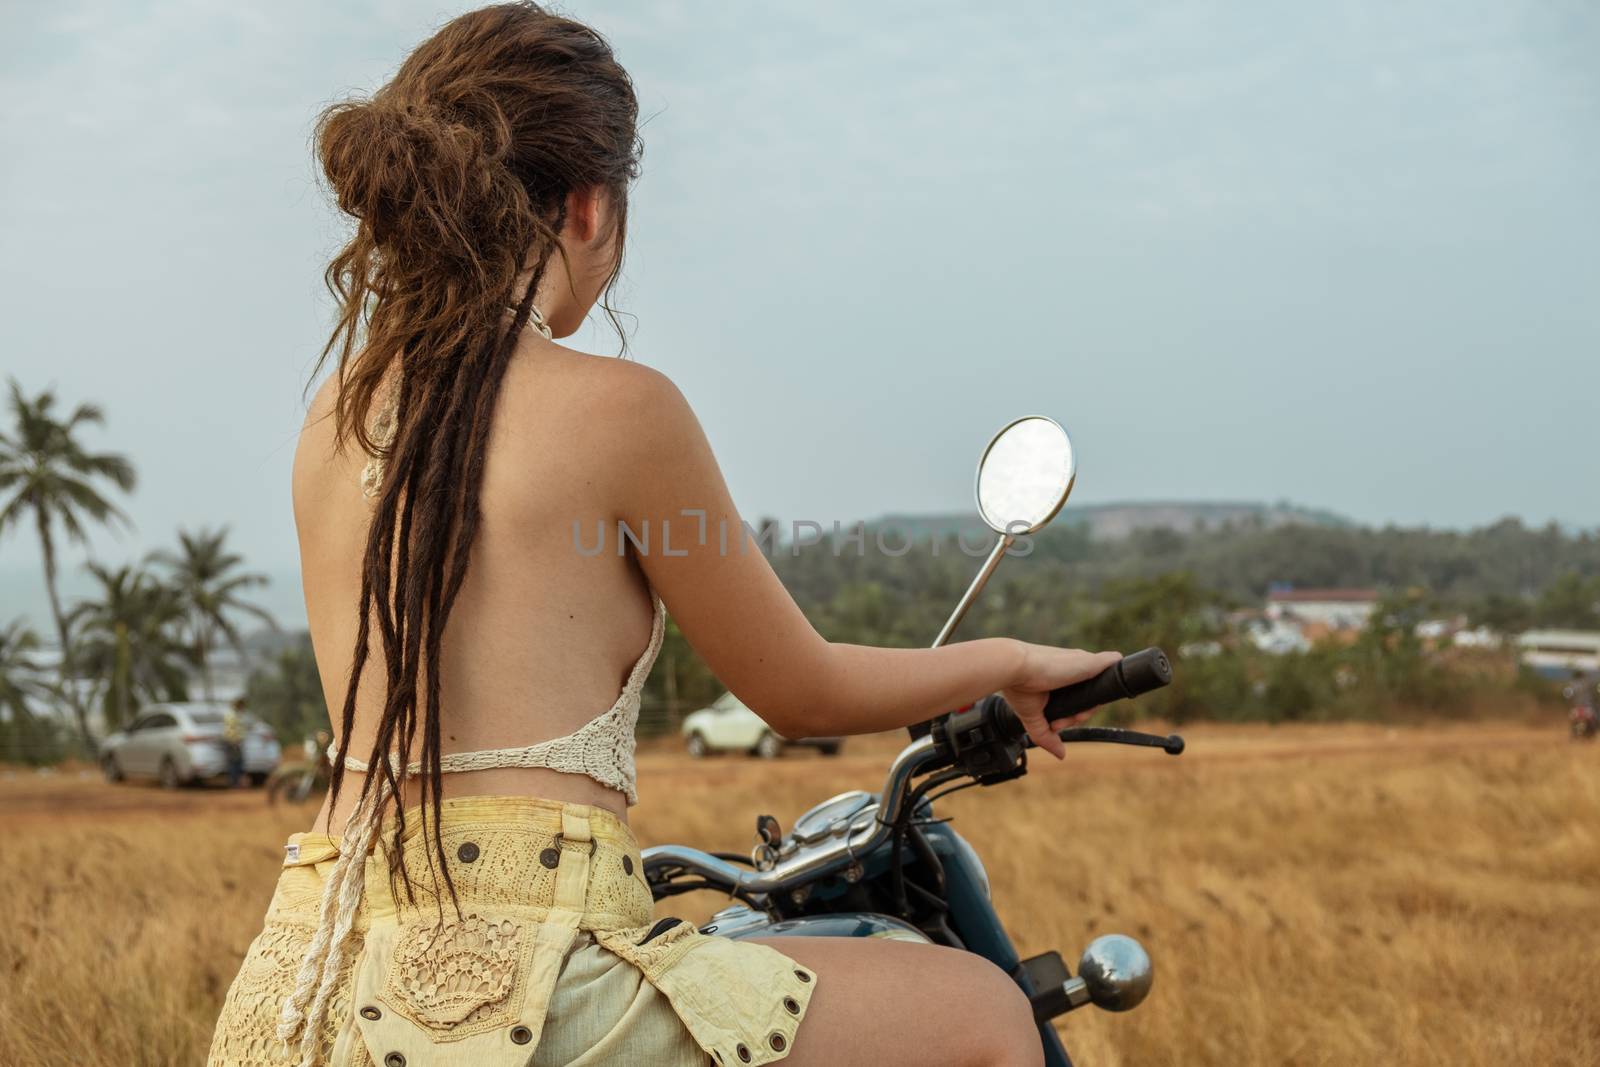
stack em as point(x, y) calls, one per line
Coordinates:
point(1311, 895)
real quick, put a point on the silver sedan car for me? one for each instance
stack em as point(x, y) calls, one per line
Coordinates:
point(181, 743)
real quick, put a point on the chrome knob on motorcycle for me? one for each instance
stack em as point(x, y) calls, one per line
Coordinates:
point(1115, 973)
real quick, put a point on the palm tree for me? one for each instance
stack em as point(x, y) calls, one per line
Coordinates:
point(47, 473)
point(130, 638)
point(203, 573)
point(25, 737)
point(21, 676)
point(22, 681)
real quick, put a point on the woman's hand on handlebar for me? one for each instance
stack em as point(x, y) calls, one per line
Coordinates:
point(1045, 669)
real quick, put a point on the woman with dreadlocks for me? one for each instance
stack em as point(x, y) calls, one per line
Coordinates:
point(470, 893)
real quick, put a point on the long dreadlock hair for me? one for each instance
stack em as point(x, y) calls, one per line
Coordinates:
point(457, 173)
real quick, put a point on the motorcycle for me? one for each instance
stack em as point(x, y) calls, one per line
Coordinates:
point(300, 782)
point(1582, 724)
point(883, 864)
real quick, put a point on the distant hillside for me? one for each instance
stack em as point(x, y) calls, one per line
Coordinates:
point(1112, 522)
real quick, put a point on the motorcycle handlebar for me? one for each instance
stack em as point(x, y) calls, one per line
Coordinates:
point(1130, 676)
point(988, 723)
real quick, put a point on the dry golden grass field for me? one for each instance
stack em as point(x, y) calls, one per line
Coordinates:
point(1311, 895)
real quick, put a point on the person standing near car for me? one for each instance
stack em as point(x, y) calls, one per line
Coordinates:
point(233, 742)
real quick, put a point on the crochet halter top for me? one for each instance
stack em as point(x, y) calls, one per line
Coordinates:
point(601, 748)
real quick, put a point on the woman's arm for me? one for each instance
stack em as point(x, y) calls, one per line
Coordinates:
point(737, 615)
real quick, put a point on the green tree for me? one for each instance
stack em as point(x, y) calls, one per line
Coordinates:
point(25, 737)
point(21, 676)
point(680, 683)
point(1175, 613)
point(130, 638)
point(287, 694)
point(1169, 610)
point(864, 612)
point(1388, 662)
point(1294, 685)
point(1571, 600)
point(48, 474)
point(207, 577)
point(1502, 613)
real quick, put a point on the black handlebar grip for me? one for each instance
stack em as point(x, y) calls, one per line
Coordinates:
point(1130, 676)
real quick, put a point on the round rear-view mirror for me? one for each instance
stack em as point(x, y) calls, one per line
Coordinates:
point(1024, 475)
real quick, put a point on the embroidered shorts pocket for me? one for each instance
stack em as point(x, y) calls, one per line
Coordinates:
point(742, 1001)
point(468, 991)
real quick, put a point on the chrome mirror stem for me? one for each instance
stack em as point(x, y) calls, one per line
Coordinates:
point(971, 595)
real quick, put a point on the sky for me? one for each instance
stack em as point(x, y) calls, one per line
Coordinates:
point(1344, 254)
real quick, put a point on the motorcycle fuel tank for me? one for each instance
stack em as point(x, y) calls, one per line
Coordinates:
point(740, 922)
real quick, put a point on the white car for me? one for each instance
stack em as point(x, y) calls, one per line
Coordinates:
point(181, 743)
point(728, 726)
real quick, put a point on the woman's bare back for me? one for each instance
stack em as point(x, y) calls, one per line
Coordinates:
point(542, 636)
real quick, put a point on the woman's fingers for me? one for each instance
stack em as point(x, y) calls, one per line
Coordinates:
point(1081, 717)
point(1045, 670)
point(1044, 737)
point(1045, 734)
point(1029, 709)
point(1079, 666)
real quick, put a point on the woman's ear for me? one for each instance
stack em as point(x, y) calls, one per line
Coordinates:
point(584, 209)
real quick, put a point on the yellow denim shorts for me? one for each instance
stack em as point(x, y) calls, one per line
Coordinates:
point(547, 957)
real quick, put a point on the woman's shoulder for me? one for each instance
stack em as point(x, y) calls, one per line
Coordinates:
point(612, 383)
point(597, 398)
point(573, 426)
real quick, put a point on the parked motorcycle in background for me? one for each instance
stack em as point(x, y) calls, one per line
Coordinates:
point(883, 864)
point(305, 780)
point(1582, 723)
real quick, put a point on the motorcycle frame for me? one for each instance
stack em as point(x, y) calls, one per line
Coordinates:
point(974, 918)
point(971, 914)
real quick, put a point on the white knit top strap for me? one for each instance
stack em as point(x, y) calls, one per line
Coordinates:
point(601, 748)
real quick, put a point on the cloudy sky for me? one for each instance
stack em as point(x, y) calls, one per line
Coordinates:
point(1341, 253)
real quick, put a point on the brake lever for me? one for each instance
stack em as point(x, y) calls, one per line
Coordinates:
point(1171, 744)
